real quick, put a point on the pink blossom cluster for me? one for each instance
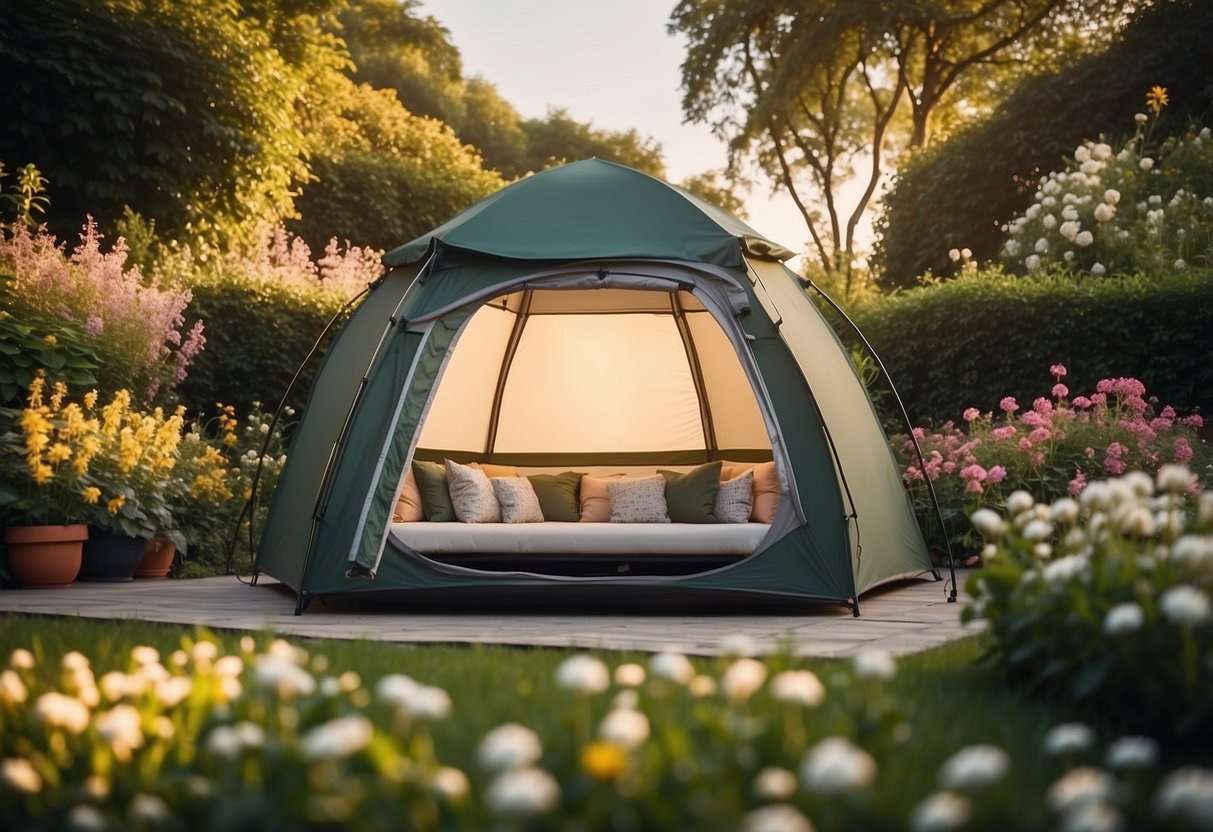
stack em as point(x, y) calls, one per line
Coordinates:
point(279, 256)
point(1052, 448)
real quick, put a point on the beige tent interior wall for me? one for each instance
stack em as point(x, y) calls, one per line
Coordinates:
point(600, 371)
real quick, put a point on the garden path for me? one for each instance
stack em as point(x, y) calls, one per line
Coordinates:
point(901, 618)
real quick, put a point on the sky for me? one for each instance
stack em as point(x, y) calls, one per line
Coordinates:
point(610, 63)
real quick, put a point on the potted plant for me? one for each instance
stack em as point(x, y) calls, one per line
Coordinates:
point(47, 495)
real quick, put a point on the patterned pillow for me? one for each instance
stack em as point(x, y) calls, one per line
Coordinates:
point(638, 500)
point(518, 500)
point(735, 498)
point(472, 494)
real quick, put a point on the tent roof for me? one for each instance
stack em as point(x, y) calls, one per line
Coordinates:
point(595, 209)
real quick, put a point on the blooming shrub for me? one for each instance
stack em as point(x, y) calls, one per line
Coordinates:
point(137, 325)
point(272, 737)
point(1122, 210)
point(1049, 449)
point(1104, 599)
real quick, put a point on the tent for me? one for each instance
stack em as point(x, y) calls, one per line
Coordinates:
point(590, 315)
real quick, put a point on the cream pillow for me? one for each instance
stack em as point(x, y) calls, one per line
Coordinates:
point(519, 503)
point(766, 493)
point(595, 500)
point(408, 504)
point(638, 500)
point(735, 499)
point(472, 494)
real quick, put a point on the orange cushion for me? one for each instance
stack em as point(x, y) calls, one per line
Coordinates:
point(766, 493)
point(492, 470)
point(595, 499)
point(408, 504)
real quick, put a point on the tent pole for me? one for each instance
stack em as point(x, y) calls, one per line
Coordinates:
point(688, 344)
point(511, 349)
point(909, 427)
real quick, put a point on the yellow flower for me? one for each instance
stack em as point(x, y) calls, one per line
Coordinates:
point(42, 474)
point(58, 396)
point(603, 760)
point(58, 453)
point(116, 504)
point(90, 399)
point(91, 495)
point(35, 389)
point(51, 341)
point(1157, 98)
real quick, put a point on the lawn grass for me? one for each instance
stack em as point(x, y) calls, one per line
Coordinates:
point(940, 701)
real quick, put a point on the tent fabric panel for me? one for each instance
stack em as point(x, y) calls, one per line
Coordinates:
point(337, 380)
point(887, 528)
point(606, 301)
point(796, 564)
point(462, 409)
point(594, 209)
point(590, 398)
point(736, 418)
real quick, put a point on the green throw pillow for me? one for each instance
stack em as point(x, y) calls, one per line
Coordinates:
point(559, 495)
point(691, 497)
point(435, 498)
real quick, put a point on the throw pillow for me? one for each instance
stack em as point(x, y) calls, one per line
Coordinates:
point(408, 504)
point(691, 496)
point(472, 494)
point(435, 498)
point(766, 493)
point(638, 500)
point(517, 499)
point(595, 500)
point(558, 495)
point(735, 499)
point(496, 470)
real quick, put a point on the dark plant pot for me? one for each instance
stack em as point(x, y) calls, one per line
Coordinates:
point(45, 556)
point(110, 557)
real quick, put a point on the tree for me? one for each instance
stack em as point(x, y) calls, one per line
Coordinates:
point(558, 139)
point(814, 90)
point(184, 111)
point(960, 192)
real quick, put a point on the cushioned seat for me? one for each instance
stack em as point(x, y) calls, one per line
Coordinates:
point(691, 539)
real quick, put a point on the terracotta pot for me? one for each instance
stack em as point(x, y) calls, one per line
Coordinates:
point(45, 556)
point(110, 557)
point(157, 559)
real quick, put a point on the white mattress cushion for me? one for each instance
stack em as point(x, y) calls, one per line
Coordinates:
point(581, 538)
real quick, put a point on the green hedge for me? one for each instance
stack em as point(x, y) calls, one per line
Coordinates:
point(971, 341)
point(257, 333)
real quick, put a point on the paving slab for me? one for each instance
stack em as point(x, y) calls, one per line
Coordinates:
point(903, 617)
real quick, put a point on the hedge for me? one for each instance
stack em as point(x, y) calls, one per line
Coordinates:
point(971, 341)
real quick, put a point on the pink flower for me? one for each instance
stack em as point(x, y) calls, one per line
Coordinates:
point(1078, 483)
point(1040, 435)
point(971, 413)
point(1058, 370)
point(1005, 432)
point(1042, 405)
point(1117, 450)
point(1008, 404)
point(996, 474)
point(974, 487)
point(1038, 459)
point(949, 467)
point(911, 474)
point(1090, 452)
point(974, 472)
point(1025, 444)
point(1114, 465)
point(1060, 391)
point(1097, 399)
point(1193, 421)
point(1183, 450)
point(1081, 402)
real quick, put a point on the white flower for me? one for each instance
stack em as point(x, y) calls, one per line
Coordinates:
point(1104, 212)
point(1042, 246)
point(85, 818)
point(778, 817)
point(701, 686)
point(19, 774)
point(12, 689)
point(229, 666)
point(1141, 118)
point(1068, 738)
point(625, 727)
point(966, 253)
point(1049, 221)
point(509, 746)
point(583, 674)
point(988, 523)
point(1069, 213)
point(1064, 569)
point(1019, 502)
point(1099, 269)
point(742, 679)
point(874, 664)
point(430, 703)
point(941, 812)
point(629, 675)
point(1082, 153)
point(147, 810)
point(120, 727)
point(774, 783)
point(1032, 213)
point(1081, 785)
point(1011, 247)
point(1084, 238)
point(1111, 196)
point(1193, 550)
point(280, 672)
point(836, 765)
point(1032, 262)
point(1064, 510)
point(337, 739)
point(737, 645)
point(143, 654)
point(54, 710)
point(1132, 752)
point(974, 767)
point(1180, 264)
point(1038, 530)
point(451, 783)
point(1123, 618)
point(1091, 816)
point(799, 687)
point(1185, 605)
point(1146, 163)
point(526, 791)
point(1187, 793)
point(1101, 151)
point(673, 666)
point(172, 691)
point(21, 659)
point(1138, 521)
point(954, 255)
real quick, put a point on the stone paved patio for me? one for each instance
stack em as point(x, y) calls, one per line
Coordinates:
point(901, 618)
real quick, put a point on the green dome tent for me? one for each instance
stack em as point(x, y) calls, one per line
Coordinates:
point(588, 316)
